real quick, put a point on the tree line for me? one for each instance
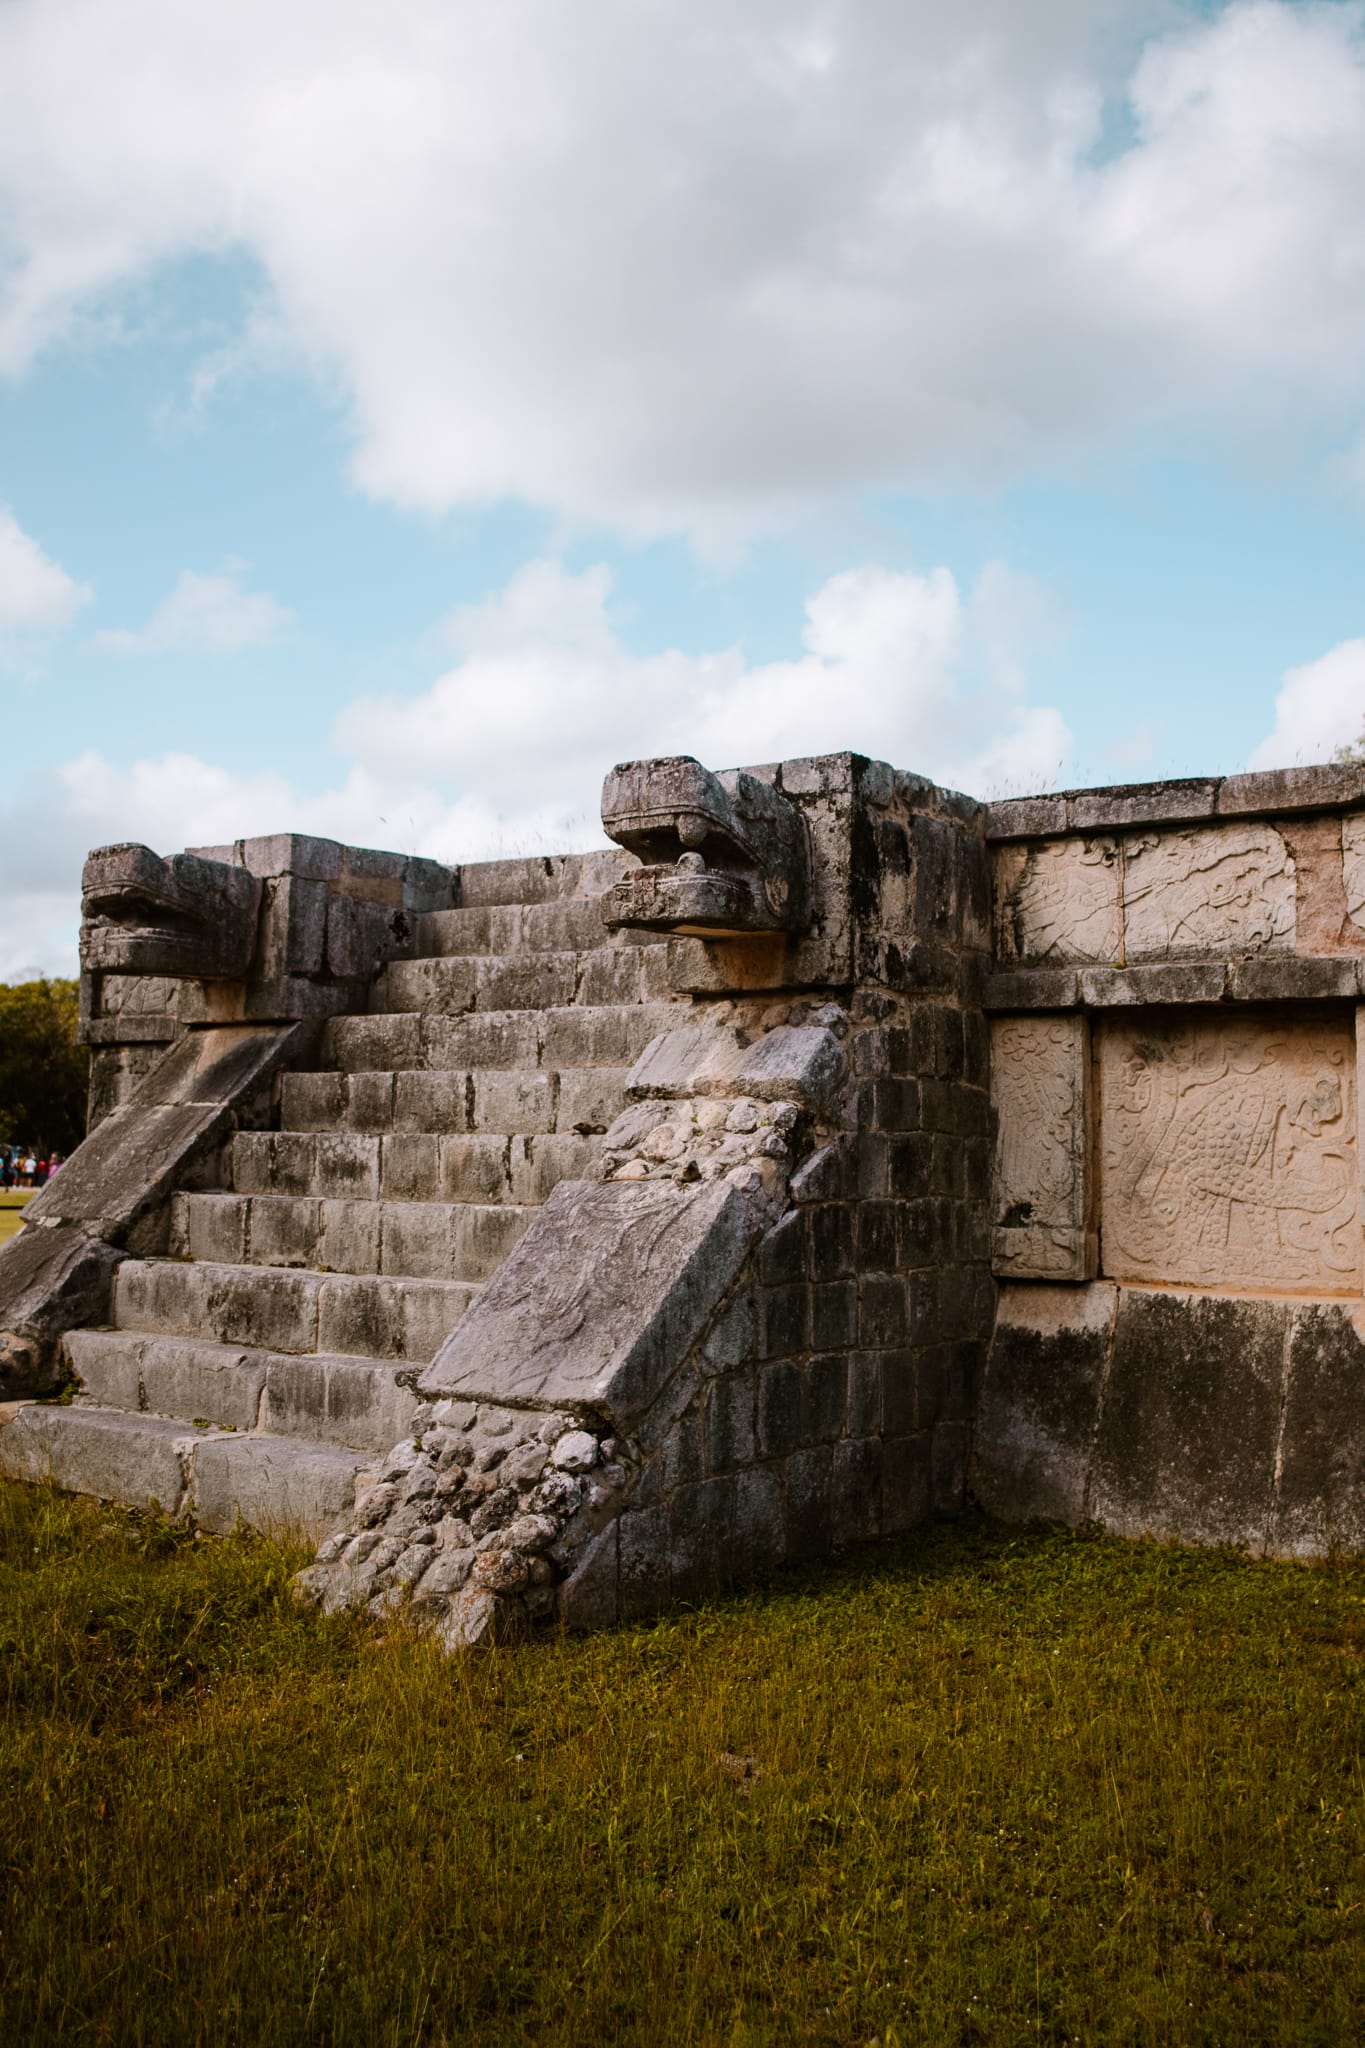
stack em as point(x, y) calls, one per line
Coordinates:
point(44, 1074)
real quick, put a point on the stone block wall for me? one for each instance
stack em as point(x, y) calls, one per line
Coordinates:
point(326, 919)
point(1176, 1208)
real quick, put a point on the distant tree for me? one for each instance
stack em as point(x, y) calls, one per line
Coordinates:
point(44, 1074)
point(1354, 750)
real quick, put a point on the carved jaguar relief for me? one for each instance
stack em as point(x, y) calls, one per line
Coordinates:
point(1229, 1152)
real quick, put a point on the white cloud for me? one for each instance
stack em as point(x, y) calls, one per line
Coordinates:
point(546, 694)
point(36, 594)
point(203, 614)
point(696, 266)
point(506, 751)
point(1320, 707)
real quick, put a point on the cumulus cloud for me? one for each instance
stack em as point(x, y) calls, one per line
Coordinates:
point(202, 615)
point(505, 752)
point(694, 267)
point(1320, 707)
point(895, 664)
point(36, 594)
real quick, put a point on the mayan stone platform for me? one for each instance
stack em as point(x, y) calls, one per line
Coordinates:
point(558, 1239)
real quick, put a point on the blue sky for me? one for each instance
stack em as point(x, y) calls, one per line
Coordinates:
point(406, 412)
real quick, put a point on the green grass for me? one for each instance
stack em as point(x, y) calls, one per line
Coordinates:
point(1005, 1787)
point(12, 1201)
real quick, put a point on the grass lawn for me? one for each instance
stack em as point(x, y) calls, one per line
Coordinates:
point(991, 1787)
point(12, 1202)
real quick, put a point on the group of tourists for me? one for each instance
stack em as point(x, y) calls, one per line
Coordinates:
point(21, 1167)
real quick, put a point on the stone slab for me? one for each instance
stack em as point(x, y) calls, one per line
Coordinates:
point(138, 1460)
point(50, 1280)
point(1040, 1400)
point(137, 1154)
point(1320, 1494)
point(795, 1063)
point(1186, 1442)
point(1229, 1153)
point(598, 1305)
point(283, 1486)
point(1226, 890)
point(1040, 1093)
point(1057, 903)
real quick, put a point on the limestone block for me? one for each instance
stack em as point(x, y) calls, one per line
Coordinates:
point(1320, 1463)
point(183, 1105)
point(272, 1483)
point(601, 1300)
point(1226, 889)
point(1040, 1400)
point(137, 1459)
point(1058, 902)
point(798, 1062)
point(1229, 1151)
point(1185, 1445)
point(50, 1280)
point(1040, 1091)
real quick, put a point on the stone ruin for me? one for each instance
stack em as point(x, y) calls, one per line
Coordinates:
point(556, 1239)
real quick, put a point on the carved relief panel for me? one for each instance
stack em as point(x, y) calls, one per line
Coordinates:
point(1225, 890)
point(1353, 865)
point(1040, 1092)
point(1057, 902)
point(1228, 1151)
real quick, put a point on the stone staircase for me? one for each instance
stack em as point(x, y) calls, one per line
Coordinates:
point(252, 1373)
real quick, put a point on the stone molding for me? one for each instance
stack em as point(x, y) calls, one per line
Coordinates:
point(1270, 793)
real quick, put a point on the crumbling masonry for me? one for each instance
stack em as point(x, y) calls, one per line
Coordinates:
point(561, 1238)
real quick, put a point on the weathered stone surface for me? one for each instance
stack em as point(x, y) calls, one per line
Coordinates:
point(1353, 866)
point(803, 1063)
point(1187, 1435)
point(1036, 988)
point(1040, 1401)
point(139, 1460)
point(1126, 988)
point(1320, 1469)
point(723, 853)
point(136, 1156)
point(1040, 1092)
point(183, 916)
point(1228, 890)
point(600, 1301)
point(1292, 978)
point(1057, 902)
point(1268, 793)
point(271, 1483)
point(51, 1279)
point(1145, 803)
point(1026, 817)
point(1229, 1152)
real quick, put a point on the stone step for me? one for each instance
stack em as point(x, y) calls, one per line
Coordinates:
point(613, 1035)
point(565, 924)
point(500, 1100)
point(408, 1167)
point(278, 1308)
point(423, 1240)
point(601, 977)
point(360, 1404)
point(284, 1485)
point(540, 878)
